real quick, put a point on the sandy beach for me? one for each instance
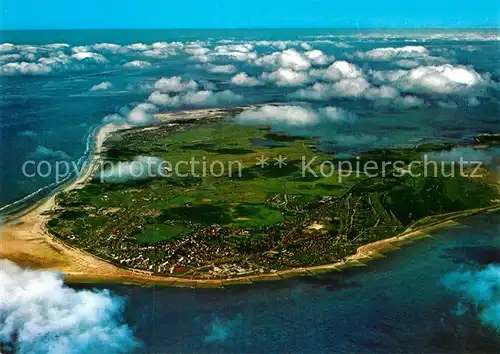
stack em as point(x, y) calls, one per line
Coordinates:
point(25, 241)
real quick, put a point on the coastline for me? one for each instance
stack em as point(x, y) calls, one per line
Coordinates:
point(28, 243)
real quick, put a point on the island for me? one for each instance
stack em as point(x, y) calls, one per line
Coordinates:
point(226, 203)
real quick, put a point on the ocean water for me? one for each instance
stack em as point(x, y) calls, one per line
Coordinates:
point(405, 302)
point(56, 87)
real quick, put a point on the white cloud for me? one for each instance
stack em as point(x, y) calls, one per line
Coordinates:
point(338, 70)
point(390, 96)
point(175, 84)
point(46, 316)
point(164, 99)
point(473, 102)
point(306, 46)
point(382, 92)
point(408, 102)
point(387, 76)
point(43, 152)
point(137, 64)
point(170, 45)
point(235, 55)
point(286, 77)
point(82, 48)
point(405, 57)
point(115, 119)
point(138, 47)
point(330, 42)
point(390, 53)
point(142, 114)
point(470, 48)
point(210, 98)
point(317, 57)
point(351, 83)
point(105, 85)
point(407, 63)
point(141, 167)
point(203, 98)
point(417, 36)
point(292, 59)
point(109, 47)
point(45, 59)
point(353, 87)
point(243, 48)
point(335, 114)
point(99, 58)
point(272, 44)
point(27, 133)
point(222, 330)
point(238, 52)
point(442, 79)
point(293, 115)
point(25, 68)
point(201, 58)
point(7, 47)
point(197, 50)
point(220, 69)
point(162, 49)
point(288, 115)
point(10, 57)
point(288, 58)
point(447, 104)
point(98, 47)
point(243, 79)
point(480, 293)
point(157, 53)
point(359, 87)
point(343, 69)
point(58, 62)
point(207, 85)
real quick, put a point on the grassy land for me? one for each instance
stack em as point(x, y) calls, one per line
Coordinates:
point(267, 218)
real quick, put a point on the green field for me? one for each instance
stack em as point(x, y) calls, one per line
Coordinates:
point(251, 218)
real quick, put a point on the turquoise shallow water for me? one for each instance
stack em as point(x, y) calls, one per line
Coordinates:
point(396, 304)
